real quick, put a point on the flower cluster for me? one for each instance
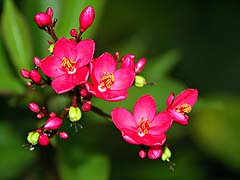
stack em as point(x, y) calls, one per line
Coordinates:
point(72, 68)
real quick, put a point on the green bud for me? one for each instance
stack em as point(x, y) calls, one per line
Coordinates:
point(74, 113)
point(32, 137)
point(140, 81)
point(51, 47)
point(166, 154)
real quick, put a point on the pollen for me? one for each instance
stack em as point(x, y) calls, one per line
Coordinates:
point(106, 80)
point(184, 108)
point(69, 65)
point(143, 126)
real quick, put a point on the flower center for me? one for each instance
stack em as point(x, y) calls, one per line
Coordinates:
point(106, 81)
point(143, 126)
point(69, 65)
point(184, 108)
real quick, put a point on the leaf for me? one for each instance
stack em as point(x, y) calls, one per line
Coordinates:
point(216, 129)
point(14, 157)
point(69, 16)
point(16, 36)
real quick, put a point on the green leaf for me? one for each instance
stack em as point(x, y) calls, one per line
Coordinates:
point(16, 36)
point(69, 16)
point(9, 84)
point(14, 157)
point(216, 129)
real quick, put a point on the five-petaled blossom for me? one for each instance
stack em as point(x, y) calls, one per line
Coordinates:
point(108, 82)
point(68, 63)
point(182, 105)
point(143, 126)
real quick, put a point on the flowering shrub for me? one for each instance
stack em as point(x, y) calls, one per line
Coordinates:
point(72, 69)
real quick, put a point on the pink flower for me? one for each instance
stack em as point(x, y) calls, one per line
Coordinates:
point(182, 105)
point(108, 82)
point(68, 63)
point(143, 126)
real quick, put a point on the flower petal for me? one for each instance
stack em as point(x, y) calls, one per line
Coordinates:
point(114, 96)
point(145, 107)
point(103, 63)
point(80, 76)
point(63, 83)
point(123, 79)
point(123, 119)
point(131, 136)
point(178, 117)
point(161, 123)
point(154, 152)
point(52, 66)
point(154, 140)
point(85, 50)
point(188, 96)
point(170, 100)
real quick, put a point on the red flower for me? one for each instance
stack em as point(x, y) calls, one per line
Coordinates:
point(109, 83)
point(68, 63)
point(143, 126)
point(182, 105)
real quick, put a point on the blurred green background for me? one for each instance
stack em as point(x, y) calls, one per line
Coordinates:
point(190, 43)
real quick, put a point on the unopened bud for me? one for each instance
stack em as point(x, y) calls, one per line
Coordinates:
point(63, 135)
point(25, 73)
point(140, 65)
point(86, 18)
point(87, 106)
point(154, 152)
point(42, 20)
point(53, 123)
point(35, 76)
point(52, 114)
point(43, 140)
point(51, 47)
point(49, 11)
point(34, 107)
point(37, 61)
point(139, 81)
point(166, 154)
point(142, 154)
point(128, 61)
point(32, 137)
point(75, 114)
point(73, 32)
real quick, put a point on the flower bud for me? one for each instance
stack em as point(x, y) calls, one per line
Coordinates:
point(128, 61)
point(140, 65)
point(43, 140)
point(25, 73)
point(53, 123)
point(74, 113)
point(63, 135)
point(86, 18)
point(34, 107)
point(52, 114)
point(142, 154)
point(86, 106)
point(166, 154)
point(154, 152)
point(49, 11)
point(83, 92)
point(32, 137)
point(40, 115)
point(37, 61)
point(42, 20)
point(73, 33)
point(139, 81)
point(35, 76)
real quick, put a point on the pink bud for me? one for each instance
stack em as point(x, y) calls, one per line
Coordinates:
point(140, 65)
point(142, 154)
point(63, 135)
point(154, 152)
point(40, 115)
point(52, 114)
point(35, 76)
point(116, 55)
point(42, 20)
point(34, 107)
point(83, 92)
point(53, 123)
point(25, 73)
point(37, 61)
point(86, 18)
point(43, 140)
point(86, 106)
point(128, 61)
point(49, 11)
point(28, 83)
point(73, 33)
